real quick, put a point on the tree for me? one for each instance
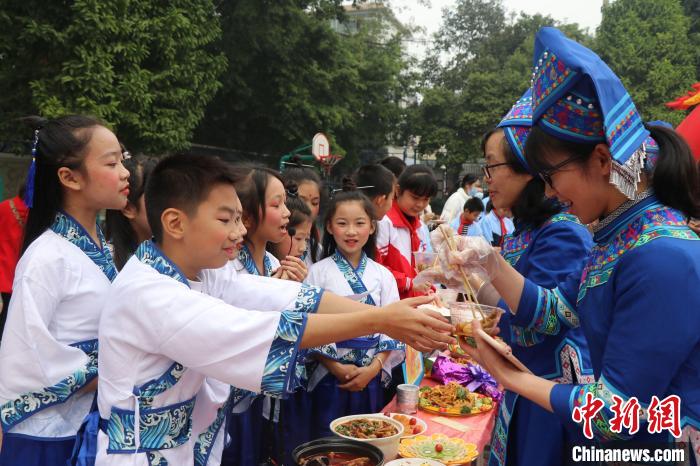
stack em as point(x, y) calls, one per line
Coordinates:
point(646, 43)
point(143, 67)
point(292, 75)
point(488, 64)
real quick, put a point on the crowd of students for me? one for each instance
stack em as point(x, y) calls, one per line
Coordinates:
point(223, 307)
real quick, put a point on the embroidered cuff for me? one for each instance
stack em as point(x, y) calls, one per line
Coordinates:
point(280, 375)
point(308, 299)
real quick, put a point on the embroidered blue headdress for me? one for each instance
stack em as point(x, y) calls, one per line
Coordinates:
point(577, 97)
point(516, 126)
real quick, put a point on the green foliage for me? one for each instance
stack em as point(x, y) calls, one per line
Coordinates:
point(143, 67)
point(291, 75)
point(646, 43)
point(490, 57)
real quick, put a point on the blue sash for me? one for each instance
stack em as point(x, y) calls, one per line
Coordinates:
point(354, 278)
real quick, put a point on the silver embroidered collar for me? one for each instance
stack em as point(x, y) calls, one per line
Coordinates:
point(624, 207)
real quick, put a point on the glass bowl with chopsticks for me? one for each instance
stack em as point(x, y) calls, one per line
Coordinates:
point(462, 314)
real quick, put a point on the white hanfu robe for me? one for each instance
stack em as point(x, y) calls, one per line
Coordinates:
point(381, 286)
point(156, 328)
point(52, 321)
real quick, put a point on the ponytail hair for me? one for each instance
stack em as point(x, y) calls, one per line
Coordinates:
point(675, 179)
point(61, 142)
point(349, 193)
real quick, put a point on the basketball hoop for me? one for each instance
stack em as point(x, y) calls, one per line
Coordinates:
point(321, 149)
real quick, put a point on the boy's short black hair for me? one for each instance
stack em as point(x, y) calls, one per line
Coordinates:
point(182, 182)
point(394, 164)
point(474, 204)
point(418, 179)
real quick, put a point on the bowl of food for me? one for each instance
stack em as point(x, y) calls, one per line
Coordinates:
point(463, 314)
point(375, 429)
point(412, 425)
point(424, 260)
point(337, 451)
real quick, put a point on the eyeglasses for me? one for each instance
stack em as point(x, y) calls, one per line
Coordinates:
point(487, 168)
point(546, 175)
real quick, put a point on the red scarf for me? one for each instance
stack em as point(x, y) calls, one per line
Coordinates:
point(400, 220)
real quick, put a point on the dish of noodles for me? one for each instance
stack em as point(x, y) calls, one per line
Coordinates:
point(336, 459)
point(364, 428)
point(453, 400)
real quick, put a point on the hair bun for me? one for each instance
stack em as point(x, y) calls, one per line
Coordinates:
point(291, 188)
point(348, 184)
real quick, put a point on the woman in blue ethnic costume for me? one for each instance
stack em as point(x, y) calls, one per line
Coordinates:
point(546, 246)
point(48, 358)
point(638, 299)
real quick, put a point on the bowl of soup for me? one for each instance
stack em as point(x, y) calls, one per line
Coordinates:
point(337, 451)
point(375, 429)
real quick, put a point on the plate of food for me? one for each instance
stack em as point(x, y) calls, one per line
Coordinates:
point(414, 462)
point(378, 430)
point(453, 400)
point(439, 447)
point(412, 426)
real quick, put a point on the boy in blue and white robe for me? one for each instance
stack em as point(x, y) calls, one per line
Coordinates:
point(151, 311)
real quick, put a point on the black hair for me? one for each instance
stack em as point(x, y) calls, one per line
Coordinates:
point(296, 172)
point(675, 180)
point(474, 204)
point(349, 194)
point(251, 185)
point(118, 229)
point(418, 179)
point(532, 208)
point(62, 142)
point(182, 182)
point(394, 164)
point(468, 179)
point(375, 180)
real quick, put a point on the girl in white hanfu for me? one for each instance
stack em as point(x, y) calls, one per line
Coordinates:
point(48, 358)
point(349, 374)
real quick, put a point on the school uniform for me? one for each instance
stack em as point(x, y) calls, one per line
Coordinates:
point(49, 347)
point(397, 240)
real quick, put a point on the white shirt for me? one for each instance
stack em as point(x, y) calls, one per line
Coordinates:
point(454, 205)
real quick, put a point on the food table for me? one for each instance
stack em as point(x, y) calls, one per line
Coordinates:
point(474, 429)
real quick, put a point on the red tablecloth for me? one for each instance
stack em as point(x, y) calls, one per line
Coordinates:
point(475, 429)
